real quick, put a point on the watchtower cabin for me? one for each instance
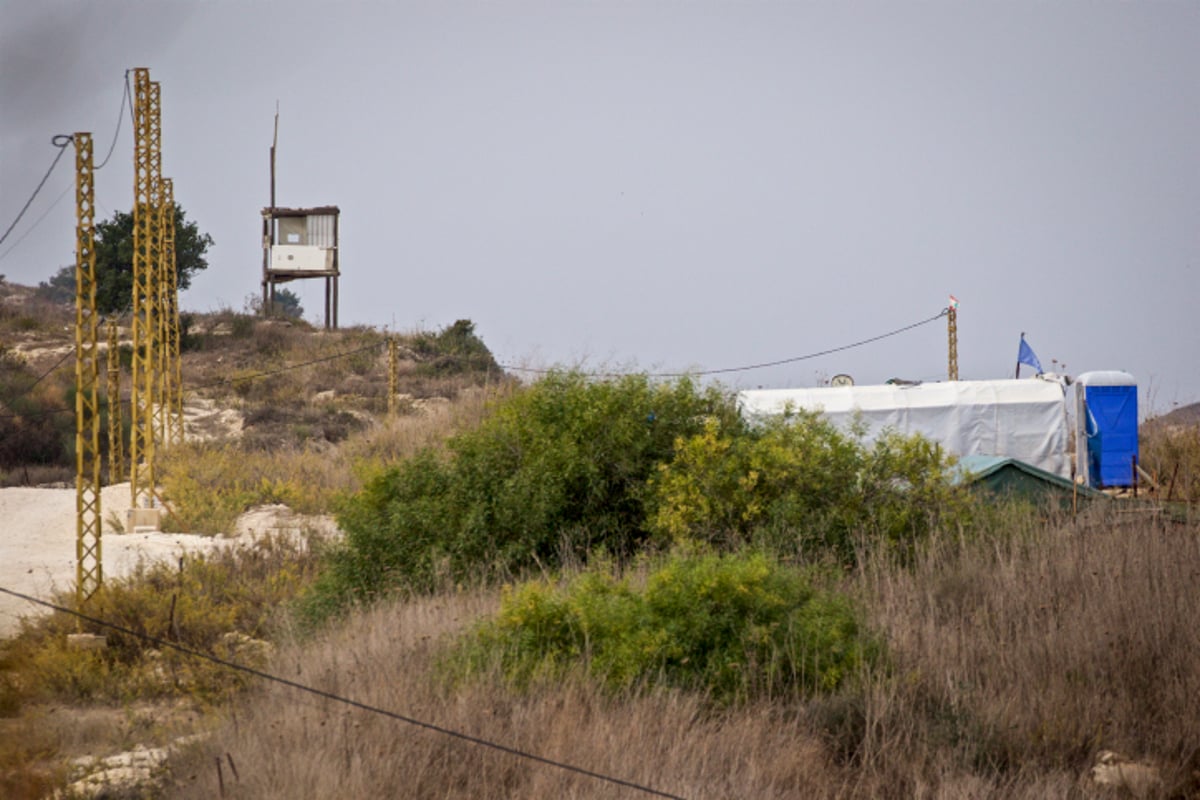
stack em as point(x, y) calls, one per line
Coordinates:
point(301, 243)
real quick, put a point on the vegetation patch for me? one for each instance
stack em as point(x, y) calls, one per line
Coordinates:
point(224, 603)
point(556, 470)
point(798, 485)
point(208, 485)
point(734, 627)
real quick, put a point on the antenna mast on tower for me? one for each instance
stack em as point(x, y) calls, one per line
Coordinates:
point(952, 325)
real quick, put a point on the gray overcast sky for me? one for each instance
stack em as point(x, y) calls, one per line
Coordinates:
point(666, 185)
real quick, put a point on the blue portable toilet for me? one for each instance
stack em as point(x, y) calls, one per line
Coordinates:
point(1106, 428)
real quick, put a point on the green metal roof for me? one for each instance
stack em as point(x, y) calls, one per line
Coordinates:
point(1003, 475)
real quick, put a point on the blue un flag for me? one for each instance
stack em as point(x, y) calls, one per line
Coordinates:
point(1026, 356)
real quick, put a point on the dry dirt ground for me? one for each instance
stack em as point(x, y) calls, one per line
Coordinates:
point(37, 545)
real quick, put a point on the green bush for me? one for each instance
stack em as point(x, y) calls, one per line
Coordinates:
point(36, 423)
point(454, 349)
point(556, 470)
point(799, 483)
point(734, 626)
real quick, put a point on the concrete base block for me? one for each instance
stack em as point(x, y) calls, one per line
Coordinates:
point(86, 641)
point(143, 520)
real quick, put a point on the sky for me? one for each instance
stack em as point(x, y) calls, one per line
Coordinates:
point(664, 186)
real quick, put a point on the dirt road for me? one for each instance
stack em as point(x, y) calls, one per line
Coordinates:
point(37, 545)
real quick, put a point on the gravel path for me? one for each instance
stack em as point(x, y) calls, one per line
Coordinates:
point(37, 545)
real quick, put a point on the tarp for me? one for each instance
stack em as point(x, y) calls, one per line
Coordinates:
point(1022, 419)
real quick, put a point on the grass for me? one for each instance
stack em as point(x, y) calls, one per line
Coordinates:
point(213, 603)
point(1171, 453)
point(1013, 659)
point(58, 703)
point(209, 484)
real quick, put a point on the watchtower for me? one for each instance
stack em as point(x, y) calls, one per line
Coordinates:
point(301, 243)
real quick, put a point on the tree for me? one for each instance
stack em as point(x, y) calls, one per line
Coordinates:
point(114, 261)
point(287, 304)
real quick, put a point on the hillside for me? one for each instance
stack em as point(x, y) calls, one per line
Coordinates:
point(270, 383)
point(1184, 416)
point(587, 588)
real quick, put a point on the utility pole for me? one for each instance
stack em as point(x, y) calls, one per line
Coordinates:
point(171, 378)
point(116, 442)
point(952, 326)
point(88, 565)
point(147, 174)
point(393, 375)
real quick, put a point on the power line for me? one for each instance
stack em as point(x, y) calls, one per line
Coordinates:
point(61, 141)
point(38, 222)
point(747, 368)
point(288, 368)
point(42, 377)
point(47, 412)
point(120, 116)
point(538, 371)
point(161, 643)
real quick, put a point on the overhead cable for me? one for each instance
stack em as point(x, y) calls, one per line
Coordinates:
point(538, 371)
point(38, 221)
point(42, 377)
point(163, 643)
point(61, 141)
point(120, 116)
point(764, 365)
point(48, 412)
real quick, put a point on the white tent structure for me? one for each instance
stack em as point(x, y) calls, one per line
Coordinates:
point(1021, 419)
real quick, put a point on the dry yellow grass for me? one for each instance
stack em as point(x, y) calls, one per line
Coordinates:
point(1014, 661)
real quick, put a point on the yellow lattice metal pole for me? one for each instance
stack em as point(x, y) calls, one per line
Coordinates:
point(166, 265)
point(154, 377)
point(952, 326)
point(172, 371)
point(147, 162)
point(88, 574)
point(116, 442)
point(393, 374)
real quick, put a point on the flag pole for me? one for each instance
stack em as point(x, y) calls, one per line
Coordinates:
point(1018, 372)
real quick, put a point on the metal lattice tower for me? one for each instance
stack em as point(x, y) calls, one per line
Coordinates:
point(952, 324)
point(172, 374)
point(116, 442)
point(156, 400)
point(393, 374)
point(147, 169)
point(88, 574)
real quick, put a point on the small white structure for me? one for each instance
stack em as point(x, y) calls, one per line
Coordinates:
point(301, 243)
point(1021, 419)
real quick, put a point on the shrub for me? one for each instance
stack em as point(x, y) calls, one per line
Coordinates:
point(799, 482)
point(36, 428)
point(454, 349)
point(215, 603)
point(735, 626)
point(557, 469)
